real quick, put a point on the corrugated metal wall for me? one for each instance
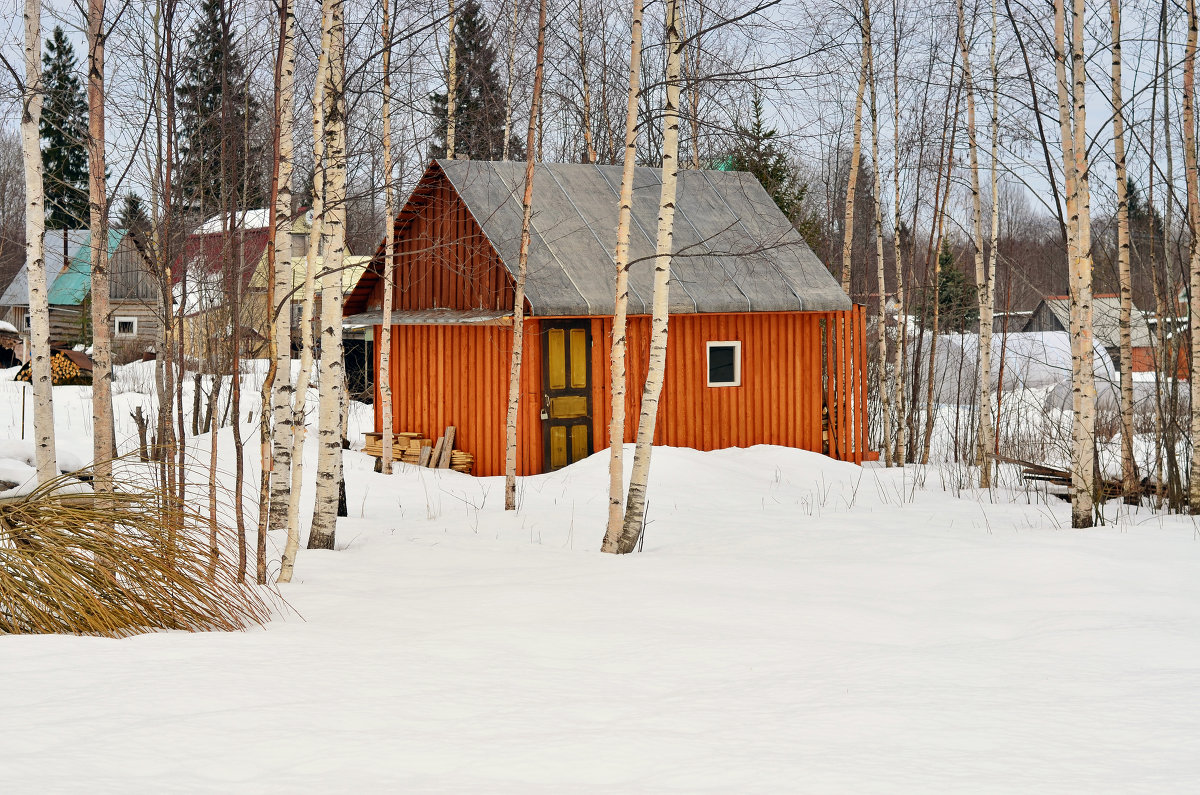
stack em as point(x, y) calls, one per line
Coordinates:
point(794, 364)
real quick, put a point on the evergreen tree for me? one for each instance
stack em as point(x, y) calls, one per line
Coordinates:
point(479, 94)
point(64, 131)
point(958, 309)
point(215, 108)
point(133, 217)
point(758, 153)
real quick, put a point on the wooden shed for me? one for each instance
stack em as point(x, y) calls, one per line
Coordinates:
point(764, 346)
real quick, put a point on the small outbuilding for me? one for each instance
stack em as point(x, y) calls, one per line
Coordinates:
point(764, 346)
point(1053, 313)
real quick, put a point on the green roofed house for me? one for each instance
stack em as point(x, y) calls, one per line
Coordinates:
point(133, 293)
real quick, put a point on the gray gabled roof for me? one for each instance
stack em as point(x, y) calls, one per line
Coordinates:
point(17, 292)
point(1106, 320)
point(734, 250)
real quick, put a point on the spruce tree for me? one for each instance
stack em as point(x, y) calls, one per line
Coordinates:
point(479, 94)
point(213, 101)
point(64, 131)
point(133, 216)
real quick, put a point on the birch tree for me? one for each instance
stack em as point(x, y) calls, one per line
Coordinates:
point(35, 248)
point(276, 445)
point(635, 502)
point(451, 86)
point(855, 151)
point(1072, 121)
point(885, 394)
point(329, 428)
point(518, 330)
point(982, 286)
point(618, 346)
point(508, 90)
point(588, 148)
point(102, 415)
point(389, 249)
point(1193, 215)
point(1124, 275)
point(898, 353)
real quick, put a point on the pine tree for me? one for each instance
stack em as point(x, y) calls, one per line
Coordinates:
point(213, 101)
point(479, 94)
point(63, 130)
point(758, 152)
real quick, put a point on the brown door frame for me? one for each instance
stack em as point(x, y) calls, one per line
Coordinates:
point(547, 422)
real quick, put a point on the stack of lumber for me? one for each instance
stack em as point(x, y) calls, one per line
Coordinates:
point(418, 450)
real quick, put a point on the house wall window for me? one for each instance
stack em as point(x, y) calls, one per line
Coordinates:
point(28, 320)
point(126, 326)
point(724, 363)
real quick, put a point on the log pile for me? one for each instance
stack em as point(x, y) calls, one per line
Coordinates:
point(418, 450)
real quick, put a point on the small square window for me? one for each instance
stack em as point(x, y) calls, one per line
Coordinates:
point(28, 322)
point(725, 363)
point(126, 326)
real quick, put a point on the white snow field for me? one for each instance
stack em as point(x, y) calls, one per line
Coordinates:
point(793, 624)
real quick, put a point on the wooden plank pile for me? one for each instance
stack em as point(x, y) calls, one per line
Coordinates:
point(1106, 489)
point(418, 450)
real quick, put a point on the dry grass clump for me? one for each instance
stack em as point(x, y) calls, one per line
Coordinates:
point(114, 565)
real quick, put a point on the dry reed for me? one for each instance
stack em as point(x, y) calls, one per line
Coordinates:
point(115, 565)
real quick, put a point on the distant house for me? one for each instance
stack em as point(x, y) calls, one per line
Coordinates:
point(1054, 314)
point(133, 294)
point(213, 253)
point(14, 303)
point(765, 348)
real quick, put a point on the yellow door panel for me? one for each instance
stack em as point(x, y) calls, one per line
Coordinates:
point(557, 366)
point(579, 443)
point(578, 358)
point(558, 447)
point(568, 407)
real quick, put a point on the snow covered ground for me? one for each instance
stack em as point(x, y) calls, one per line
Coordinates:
point(793, 624)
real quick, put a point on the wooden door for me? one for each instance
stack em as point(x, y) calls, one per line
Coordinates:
point(566, 392)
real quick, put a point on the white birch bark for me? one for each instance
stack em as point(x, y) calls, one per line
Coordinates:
point(389, 251)
point(982, 279)
point(281, 387)
point(617, 348)
point(35, 248)
point(518, 331)
point(855, 155)
point(635, 502)
point(508, 91)
point(329, 427)
point(1129, 477)
point(989, 300)
point(1193, 214)
point(589, 149)
point(103, 437)
point(883, 387)
point(898, 354)
point(451, 87)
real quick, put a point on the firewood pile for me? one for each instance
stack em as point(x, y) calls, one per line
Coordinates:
point(419, 450)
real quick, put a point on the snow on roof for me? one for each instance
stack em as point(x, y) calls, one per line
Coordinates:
point(249, 219)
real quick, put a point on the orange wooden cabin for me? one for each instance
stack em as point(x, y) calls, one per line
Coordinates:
point(764, 347)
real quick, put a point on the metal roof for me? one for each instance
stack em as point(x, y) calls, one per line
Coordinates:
point(734, 251)
point(74, 282)
point(17, 292)
point(1106, 320)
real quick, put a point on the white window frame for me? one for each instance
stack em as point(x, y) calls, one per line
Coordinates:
point(28, 321)
point(118, 320)
point(737, 362)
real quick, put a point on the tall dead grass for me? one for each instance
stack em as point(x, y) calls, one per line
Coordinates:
point(115, 565)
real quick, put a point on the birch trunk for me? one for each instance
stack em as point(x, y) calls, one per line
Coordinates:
point(389, 251)
point(508, 91)
point(589, 148)
point(299, 408)
point(855, 154)
point(1071, 98)
point(1129, 477)
point(275, 442)
point(35, 249)
point(329, 428)
point(635, 503)
point(102, 415)
point(518, 330)
point(1193, 214)
point(982, 278)
point(898, 354)
point(616, 428)
point(451, 86)
point(883, 387)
